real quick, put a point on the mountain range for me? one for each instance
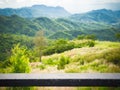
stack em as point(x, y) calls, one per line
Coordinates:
point(20, 25)
point(57, 28)
point(36, 11)
point(102, 15)
point(59, 23)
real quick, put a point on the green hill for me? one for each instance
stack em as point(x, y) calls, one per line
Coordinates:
point(101, 15)
point(50, 26)
point(18, 25)
point(53, 28)
point(61, 34)
point(103, 57)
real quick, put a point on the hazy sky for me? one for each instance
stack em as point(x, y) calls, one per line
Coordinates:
point(73, 6)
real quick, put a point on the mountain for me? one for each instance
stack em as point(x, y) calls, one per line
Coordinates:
point(102, 15)
point(57, 28)
point(17, 25)
point(36, 11)
point(50, 26)
point(15, 29)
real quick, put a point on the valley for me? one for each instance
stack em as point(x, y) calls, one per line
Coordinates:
point(44, 39)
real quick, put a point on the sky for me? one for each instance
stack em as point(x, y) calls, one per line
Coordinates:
point(73, 6)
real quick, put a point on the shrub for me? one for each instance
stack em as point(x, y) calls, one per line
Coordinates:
point(58, 47)
point(49, 61)
point(91, 43)
point(91, 36)
point(63, 45)
point(62, 62)
point(80, 37)
point(82, 62)
point(84, 43)
point(20, 63)
point(42, 66)
point(49, 50)
point(20, 60)
point(113, 56)
point(72, 69)
point(5, 70)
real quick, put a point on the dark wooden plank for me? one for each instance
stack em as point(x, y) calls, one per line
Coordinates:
point(69, 79)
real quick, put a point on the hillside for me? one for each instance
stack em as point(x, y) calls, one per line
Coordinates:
point(82, 60)
point(102, 15)
point(81, 43)
point(52, 27)
point(94, 22)
point(17, 25)
point(55, 28)
point(104, 57)
point(36, 11)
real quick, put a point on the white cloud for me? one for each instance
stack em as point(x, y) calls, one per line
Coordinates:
point(1, 2)
point(70, 5)
point(19, 1)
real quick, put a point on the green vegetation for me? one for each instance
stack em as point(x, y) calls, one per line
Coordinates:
point(17, 25)
point(87, 59)
point(57, 28)
point(80, 37)
point(62, 62)
point(7, 41)
point(69, 46)
point(67, 55)
point(58, 46)
point(113, 57)
point(40, 43)
point(118, 36)
point(19, 60)
point(62, 45)
point(42, 67)
point(19, 63)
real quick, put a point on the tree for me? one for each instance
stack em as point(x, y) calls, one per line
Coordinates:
point(19, 60)
point(20, 64)
point(40, 43)
point(117, 36)
point(89, 36)
point(80, 37)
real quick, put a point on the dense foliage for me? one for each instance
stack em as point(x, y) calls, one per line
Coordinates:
point(80, 37)
point(103, 57)
point(19, 60)
point(7, 42)
point(62, 45)
point(57, 28)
